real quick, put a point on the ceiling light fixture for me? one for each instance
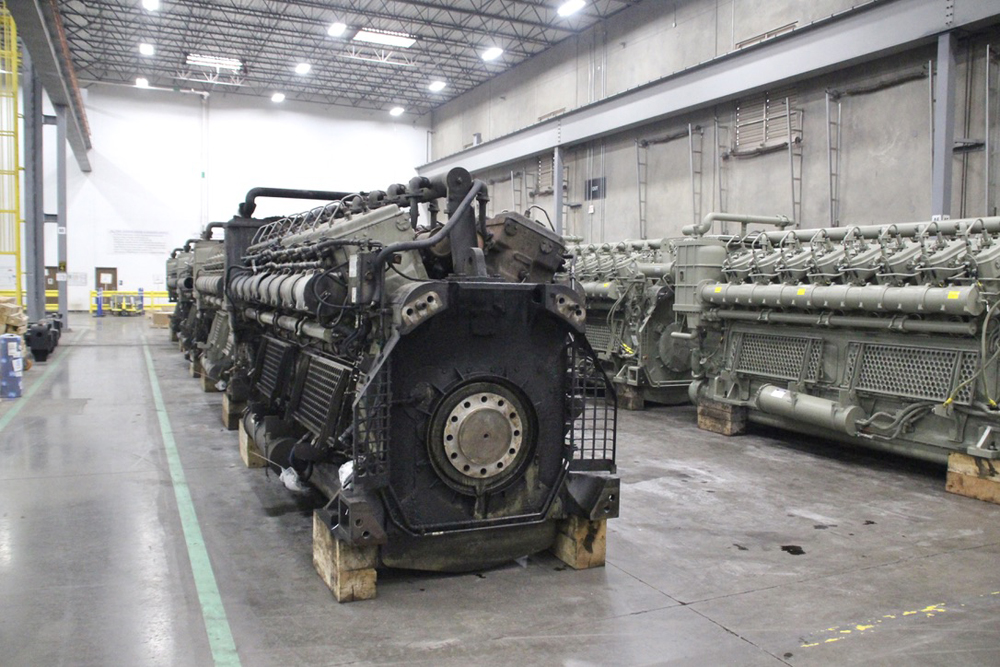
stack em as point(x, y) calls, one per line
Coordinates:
point(385, 37)
point(142, 82)
point(151, 5)
point(147, 49)
point(303, 68)
point(278, 97)
point(570, 7)
point(397, 111)
point(437, 86)
point(215, 62)
point(492, 53)
point(336, 29)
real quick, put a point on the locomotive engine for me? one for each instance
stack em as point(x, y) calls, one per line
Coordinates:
point(433, 380)
point(880, 335)
point(630, 319)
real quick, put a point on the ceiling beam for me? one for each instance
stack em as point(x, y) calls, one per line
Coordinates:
point(36, 28)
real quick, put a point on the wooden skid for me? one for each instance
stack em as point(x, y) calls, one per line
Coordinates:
point(249, 451)
point(629, 397)
point(973, 477)
point(231, 412)
point(580, 543)
point(347, 570)
point(194, 370)
point(722, 418)
point(208, 384)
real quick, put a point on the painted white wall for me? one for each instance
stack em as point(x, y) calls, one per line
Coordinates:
point(151, 147)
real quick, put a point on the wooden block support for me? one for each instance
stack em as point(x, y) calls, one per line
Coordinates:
point(174, 338)
point(722, 418)
point(347, 570)
point(208, 384)
point(193, 369)
point(580, 543)
point(249, 451)
point(629, 397)
point(973, 477)
point(231, 412)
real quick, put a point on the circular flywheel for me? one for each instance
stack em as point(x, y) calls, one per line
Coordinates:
point(480, 435)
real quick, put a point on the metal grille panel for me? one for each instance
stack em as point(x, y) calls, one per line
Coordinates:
point(599, 335)
point(269, 370)
point(371, 428)
point(778, 356)
point(916, 372)
point(593, 409)
point(322, 389)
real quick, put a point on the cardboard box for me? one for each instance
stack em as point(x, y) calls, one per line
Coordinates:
point(18, 320)
point(8, 300)
point(8, 311)
point(160, 320)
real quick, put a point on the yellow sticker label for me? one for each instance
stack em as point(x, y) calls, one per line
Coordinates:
point(607, 284)
point(953, 295)
point(802, 290)
point(718, 289)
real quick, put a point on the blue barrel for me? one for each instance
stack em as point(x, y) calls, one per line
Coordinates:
point(11, 365)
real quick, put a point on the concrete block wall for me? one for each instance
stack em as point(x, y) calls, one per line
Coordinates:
point(886, 143)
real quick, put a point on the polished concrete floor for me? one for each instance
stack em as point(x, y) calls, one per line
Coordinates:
point(756, 550)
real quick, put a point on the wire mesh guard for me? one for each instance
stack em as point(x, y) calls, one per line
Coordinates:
point(371, 428)
point(592, 410)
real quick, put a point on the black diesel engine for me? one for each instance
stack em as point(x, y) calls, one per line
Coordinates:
point(433, 380)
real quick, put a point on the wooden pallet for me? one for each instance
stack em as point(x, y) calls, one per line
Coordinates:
point(249, 451)
point(347, 570)
point(722, 418)
point(232, 412)
point(973, 477)
point(580, 543)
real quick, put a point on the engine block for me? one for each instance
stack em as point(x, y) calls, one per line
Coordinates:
point(431, 378)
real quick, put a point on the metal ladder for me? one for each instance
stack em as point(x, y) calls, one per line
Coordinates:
point(641, 176)
point(795, 160)
point(992, 116)
point(721, 164)
point(696, 140)
point(833, 146)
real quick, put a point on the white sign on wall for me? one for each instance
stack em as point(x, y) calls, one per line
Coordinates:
point(131, 242)
point(76, 279)
point(8, 272)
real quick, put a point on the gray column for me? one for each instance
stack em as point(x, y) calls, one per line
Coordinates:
point(61, 227)
point(557, 189)
point(944, 126)
point(34, 215)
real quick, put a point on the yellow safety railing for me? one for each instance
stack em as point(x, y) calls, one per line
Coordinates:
point(124, 301)
point(10, 197)
point(20, 296)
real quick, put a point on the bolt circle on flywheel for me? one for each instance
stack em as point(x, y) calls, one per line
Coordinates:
point(483, 434)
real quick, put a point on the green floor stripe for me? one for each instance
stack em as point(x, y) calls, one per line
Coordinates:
point(220, 637)
point(8, 416)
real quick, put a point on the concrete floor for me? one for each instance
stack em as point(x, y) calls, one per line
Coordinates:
point(94, 567)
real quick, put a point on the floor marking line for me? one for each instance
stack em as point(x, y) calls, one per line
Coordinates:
point(8, 416)
point(220, 636)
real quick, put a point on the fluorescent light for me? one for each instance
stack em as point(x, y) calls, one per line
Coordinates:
point(570, 7)
point(397, 111)
point(142, 82)
point(278, 97)
point(336, 29)
point(303, 68)
point(151, 5)
point(385, 37)
point(437, 86)
point(492, 53)
point(216, 62)
point(147, 49)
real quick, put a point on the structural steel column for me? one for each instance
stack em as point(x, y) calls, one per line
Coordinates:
point(557, 188)
point(944, 126)
point(61, 230)
point(34, 215)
